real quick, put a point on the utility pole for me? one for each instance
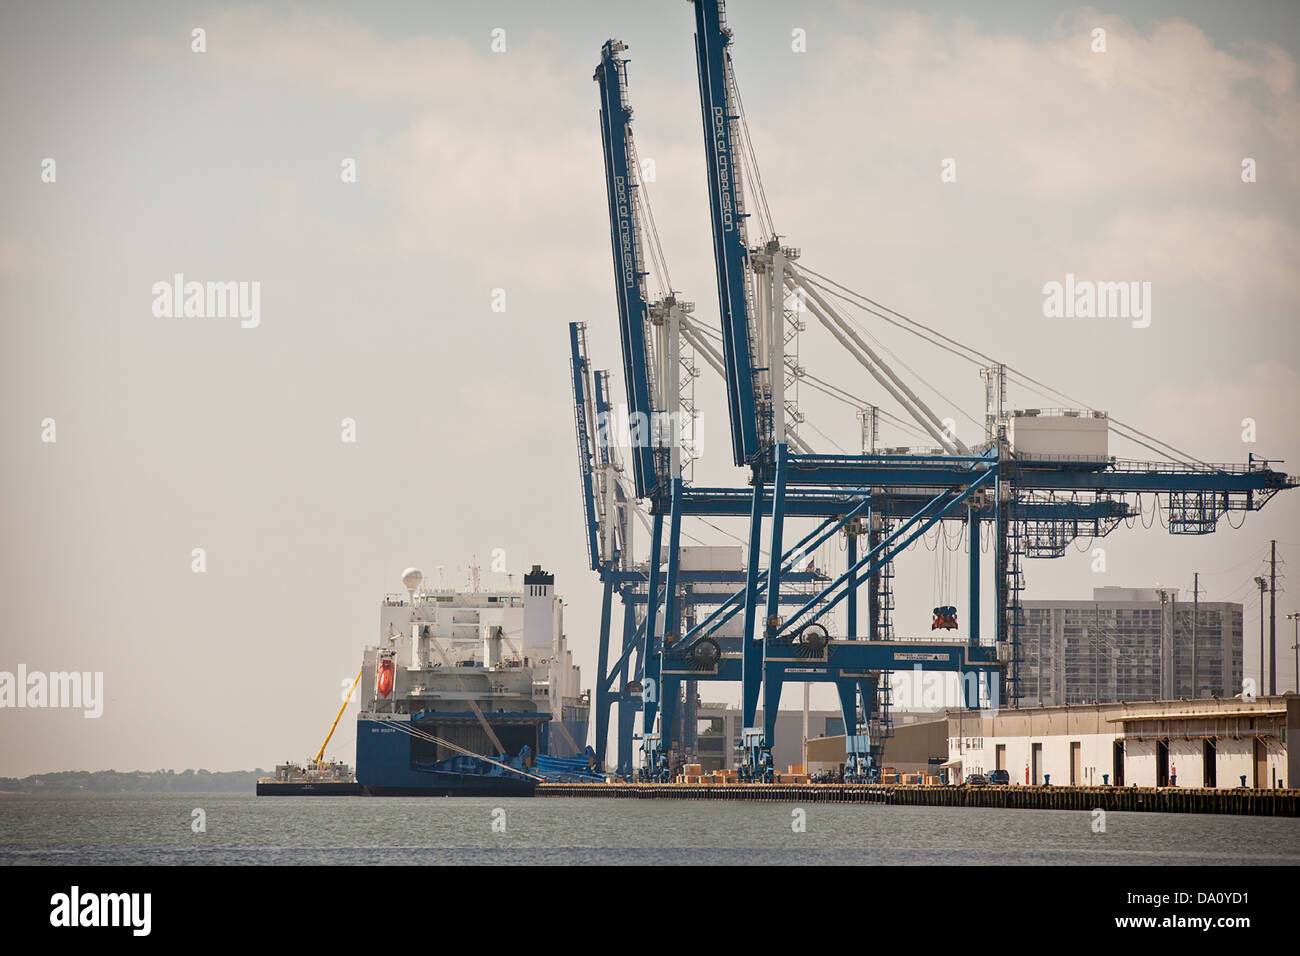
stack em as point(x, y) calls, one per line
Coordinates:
point(1196, 617)
point(1263, 586)
point(1272, 618)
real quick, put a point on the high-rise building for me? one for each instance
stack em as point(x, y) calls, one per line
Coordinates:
point(1129, 644)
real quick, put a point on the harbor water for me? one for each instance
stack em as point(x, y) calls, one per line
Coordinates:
point(149, 828)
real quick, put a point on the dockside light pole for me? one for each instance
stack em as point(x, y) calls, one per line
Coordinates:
point(1295, 646)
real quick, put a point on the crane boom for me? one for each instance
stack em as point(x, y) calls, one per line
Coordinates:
point(584, 421)
point(320, 754)
point(648, 468)
point(730, 247)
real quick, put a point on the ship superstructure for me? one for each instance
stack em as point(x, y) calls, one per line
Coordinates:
point(469, 689)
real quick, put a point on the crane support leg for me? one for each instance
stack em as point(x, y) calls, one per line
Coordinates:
point(627, 706)
point(669, 689)
point(774, 548)
point(761, 760)
point(751, 649)
point(875, 632)
point(851, 613)
point(650, 652)
point(970, 694)
point(848, 691)
point(670, 692)
point(1007, 556)
point(973, 612)
point(605, 680)
point(772, 684)
point(873, 722)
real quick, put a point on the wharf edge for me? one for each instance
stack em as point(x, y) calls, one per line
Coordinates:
point(1241, 801)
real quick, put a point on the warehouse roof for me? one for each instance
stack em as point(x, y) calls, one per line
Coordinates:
point(1198, 715)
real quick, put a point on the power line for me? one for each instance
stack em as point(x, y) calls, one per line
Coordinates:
point(753, 159)
point(848, 398)
point(976, 352)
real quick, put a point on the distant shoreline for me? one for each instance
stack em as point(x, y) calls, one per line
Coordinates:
point(134, 781)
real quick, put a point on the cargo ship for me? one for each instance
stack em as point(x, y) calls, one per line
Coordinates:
point(471, 693)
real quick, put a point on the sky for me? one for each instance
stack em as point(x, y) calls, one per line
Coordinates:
point(479, 172)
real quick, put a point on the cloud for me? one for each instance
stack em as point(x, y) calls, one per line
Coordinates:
point(1207, 419)
point(1247, 256)
point(502, 175)
point(1161, 109)
point(492, 153)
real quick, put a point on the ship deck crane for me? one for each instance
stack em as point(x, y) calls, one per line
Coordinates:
point(318, 760)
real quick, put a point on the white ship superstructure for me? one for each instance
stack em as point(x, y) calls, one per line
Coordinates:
point(501, 652)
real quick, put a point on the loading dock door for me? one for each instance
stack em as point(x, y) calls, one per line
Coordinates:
point(1118, 764)
point(1261, 765)
point(1000, 751)
point(1036, 763)
point(1211, 760)
point(1076, 763)
point(1162, 763)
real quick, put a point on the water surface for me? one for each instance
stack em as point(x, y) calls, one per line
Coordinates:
point(242, 829)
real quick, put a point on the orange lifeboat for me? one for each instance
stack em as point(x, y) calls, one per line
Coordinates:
point(385, 678)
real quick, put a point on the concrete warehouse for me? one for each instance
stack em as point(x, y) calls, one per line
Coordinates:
point(1217, 743)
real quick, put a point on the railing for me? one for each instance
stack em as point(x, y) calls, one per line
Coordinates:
point(1231, 468)
point(1056, 413)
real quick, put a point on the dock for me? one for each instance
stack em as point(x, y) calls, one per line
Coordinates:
point(1239, 801)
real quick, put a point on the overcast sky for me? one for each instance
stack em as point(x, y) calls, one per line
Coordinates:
point(481, 170)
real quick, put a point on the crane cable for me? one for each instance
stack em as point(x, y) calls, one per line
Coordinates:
point(989, 359)
point(411, 731)
point(643, 201)
point(880, 345)
point(478, 712)
point(828, 388)
point(752, 158)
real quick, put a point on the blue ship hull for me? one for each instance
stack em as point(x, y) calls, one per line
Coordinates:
point(386, 767)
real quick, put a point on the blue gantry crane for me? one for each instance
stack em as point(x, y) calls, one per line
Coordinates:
point(651, 334)
point(610, 513)
point(1034, 499)
point(663, 662)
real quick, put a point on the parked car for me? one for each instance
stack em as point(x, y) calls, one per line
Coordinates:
point(977, 780)
point(999, 778)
